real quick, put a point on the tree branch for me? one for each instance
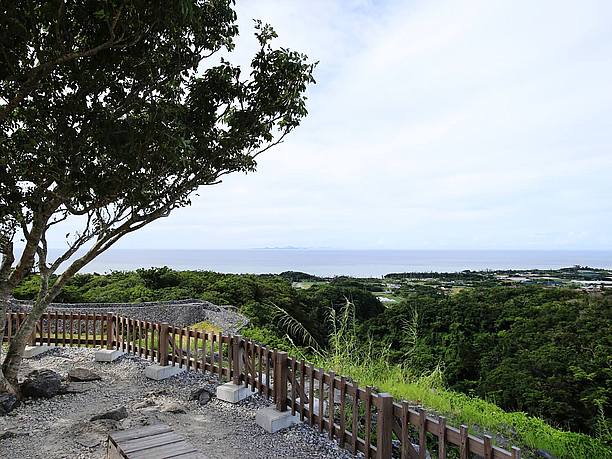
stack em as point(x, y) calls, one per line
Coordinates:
point(8, 258)
point(26, 261)
point(84, 237)
point(101, 245)
point(44, 69)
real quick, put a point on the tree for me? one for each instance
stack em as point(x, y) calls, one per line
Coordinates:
point(113, 114)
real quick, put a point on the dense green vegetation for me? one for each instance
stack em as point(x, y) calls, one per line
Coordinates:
point(541, 351)
point(261, 298)
point(371, 366)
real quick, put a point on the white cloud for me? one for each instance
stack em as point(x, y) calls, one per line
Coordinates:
point(472, 124)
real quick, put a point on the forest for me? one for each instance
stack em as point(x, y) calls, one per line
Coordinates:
point(533, 349)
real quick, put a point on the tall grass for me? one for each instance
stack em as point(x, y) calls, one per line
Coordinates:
point(369, 365)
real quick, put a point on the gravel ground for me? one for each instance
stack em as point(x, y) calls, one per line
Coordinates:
point(60, 427)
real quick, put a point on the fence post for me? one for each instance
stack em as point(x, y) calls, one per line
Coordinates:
point(110, 330)
point(280, 381)
point(384, 427)
point(163, 344)
point(236, 363)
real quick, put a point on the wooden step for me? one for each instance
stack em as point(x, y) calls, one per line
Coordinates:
point(151, 442)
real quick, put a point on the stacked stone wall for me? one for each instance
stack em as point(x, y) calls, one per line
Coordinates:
point(181, 313)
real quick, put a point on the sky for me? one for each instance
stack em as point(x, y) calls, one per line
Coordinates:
point(433, 125)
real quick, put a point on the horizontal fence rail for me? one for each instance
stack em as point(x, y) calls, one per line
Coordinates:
point(358, 418)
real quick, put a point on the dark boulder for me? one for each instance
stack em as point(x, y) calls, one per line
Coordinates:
point(41, 384)
point(8, 403)
point(195, 394)
point(202, 395)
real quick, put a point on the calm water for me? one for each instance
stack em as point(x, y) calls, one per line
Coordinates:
point(347, 262)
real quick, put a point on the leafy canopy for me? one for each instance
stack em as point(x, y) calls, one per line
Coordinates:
point(112, 113)
point(109, 112)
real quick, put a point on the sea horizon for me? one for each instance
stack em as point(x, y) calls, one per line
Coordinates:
point(349, 262)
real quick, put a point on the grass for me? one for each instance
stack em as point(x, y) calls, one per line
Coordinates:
point(456, 290)
point(371, 368)
point(307, 284)
point(426, 390)
point(181, 342)
point(207, 327)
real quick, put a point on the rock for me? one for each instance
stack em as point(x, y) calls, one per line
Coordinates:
point(172, 407)
point(545, 454)
point(82, 375)
point(145, 403)
point(12, 434)
point(195, 394)
point(116, 415)
point(8, 403)
point(75, 388)
point(156, 393)
point(202, 395)
point(204, 398)
point(41, 384)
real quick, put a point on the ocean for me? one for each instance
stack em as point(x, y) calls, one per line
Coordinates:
point(358, 263)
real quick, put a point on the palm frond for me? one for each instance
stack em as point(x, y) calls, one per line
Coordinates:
point(294, 327)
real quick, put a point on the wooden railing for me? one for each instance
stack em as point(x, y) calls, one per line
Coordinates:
point(63, 329)
point(358, 418)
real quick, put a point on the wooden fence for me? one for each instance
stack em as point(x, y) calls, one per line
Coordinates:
point(358, 418)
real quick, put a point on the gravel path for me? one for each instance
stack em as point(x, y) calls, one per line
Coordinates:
point(60, 427)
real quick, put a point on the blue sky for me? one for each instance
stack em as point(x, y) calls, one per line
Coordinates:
point(434, 125)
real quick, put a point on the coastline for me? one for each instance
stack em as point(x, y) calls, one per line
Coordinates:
point(355, 263)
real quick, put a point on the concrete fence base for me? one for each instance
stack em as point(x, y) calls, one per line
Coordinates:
point(33, 351)
point(233, 393)
point(158, 372)
point(107, 355)
point(272, 420)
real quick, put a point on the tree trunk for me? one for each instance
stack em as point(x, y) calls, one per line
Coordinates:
point(4, 303)
point(17, 345)
point(10, 368)
point(5, 385)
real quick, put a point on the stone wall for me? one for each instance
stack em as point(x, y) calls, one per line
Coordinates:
point(181, 313)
